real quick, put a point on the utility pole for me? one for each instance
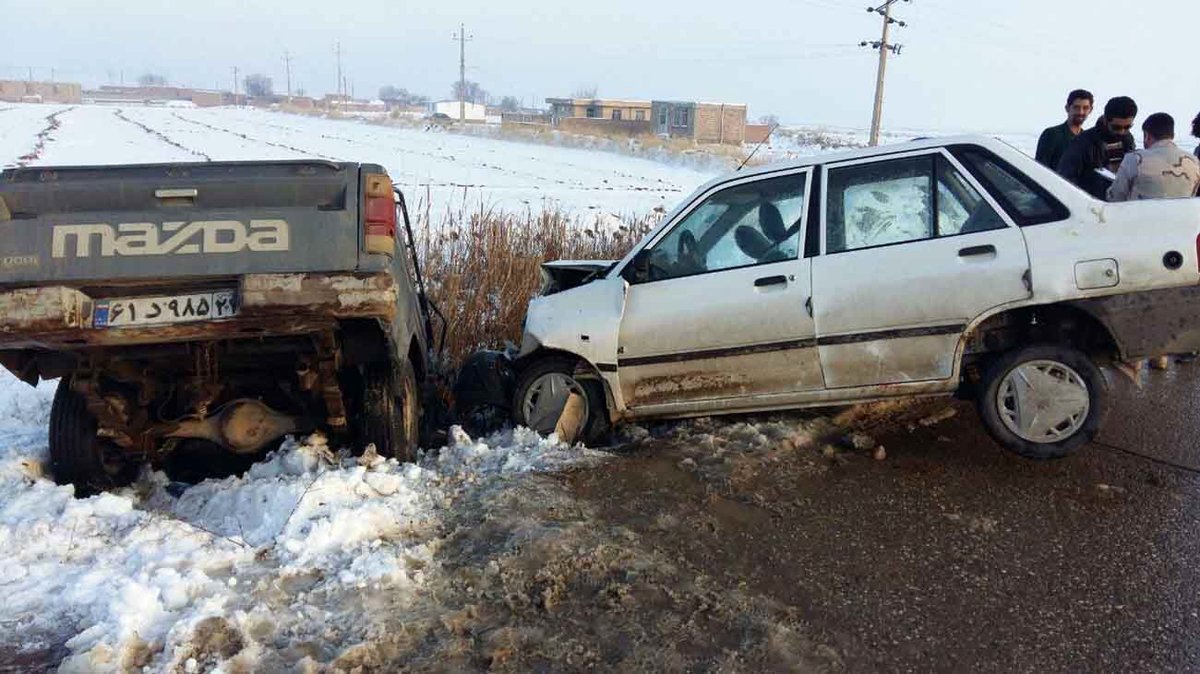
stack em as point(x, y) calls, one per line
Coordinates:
point(341, 85)
point(287, 65)
point(235, 86)
point(462, 38)
point(884, 47)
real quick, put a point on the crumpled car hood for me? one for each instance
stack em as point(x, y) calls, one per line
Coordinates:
point(563, 275)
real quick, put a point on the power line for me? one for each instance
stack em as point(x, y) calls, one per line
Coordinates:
point(884, 47)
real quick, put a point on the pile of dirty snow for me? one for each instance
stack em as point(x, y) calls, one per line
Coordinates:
point(279, 566)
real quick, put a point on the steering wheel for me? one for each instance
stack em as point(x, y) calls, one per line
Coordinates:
point(688, 254)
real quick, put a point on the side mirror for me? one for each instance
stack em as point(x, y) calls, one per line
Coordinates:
point(638, 269)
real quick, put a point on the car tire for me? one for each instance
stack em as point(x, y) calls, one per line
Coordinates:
point(390, 410)
point(1043, 401)
point(77, 456)
point(550, 376)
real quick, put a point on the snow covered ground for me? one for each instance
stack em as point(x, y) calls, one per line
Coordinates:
point(244, 572)
point(444, 168)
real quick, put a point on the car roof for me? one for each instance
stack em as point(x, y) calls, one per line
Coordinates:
point(865, 153)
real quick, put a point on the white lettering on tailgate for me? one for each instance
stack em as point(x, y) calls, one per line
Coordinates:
point(170, 238)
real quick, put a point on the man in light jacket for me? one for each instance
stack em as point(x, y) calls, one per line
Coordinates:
point(1161, 170)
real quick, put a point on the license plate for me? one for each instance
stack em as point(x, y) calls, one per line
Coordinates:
point(164, 309)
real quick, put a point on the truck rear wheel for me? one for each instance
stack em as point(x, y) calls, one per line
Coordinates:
point(77, 456)
point(1043, 402)
point(390, 414)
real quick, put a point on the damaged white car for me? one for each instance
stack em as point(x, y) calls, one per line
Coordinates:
point(940, 266)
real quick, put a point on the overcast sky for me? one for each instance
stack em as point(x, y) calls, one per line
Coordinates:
point(1003, 65)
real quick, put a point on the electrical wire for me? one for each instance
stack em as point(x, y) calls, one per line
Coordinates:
point(1152, 459)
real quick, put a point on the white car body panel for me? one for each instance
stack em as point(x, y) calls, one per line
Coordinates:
point(1091, 260)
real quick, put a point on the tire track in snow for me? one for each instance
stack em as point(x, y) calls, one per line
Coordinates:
point(120, 114)
point(43, 136)
point(291, 148)
point(539, 180)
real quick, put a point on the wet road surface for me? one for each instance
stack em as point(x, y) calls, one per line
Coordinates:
point(950, 553)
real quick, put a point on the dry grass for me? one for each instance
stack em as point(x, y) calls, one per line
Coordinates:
point(482, 265)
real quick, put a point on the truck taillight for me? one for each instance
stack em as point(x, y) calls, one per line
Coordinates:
point(380, 220)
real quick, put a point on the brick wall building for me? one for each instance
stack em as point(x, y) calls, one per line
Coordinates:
point(17, 91)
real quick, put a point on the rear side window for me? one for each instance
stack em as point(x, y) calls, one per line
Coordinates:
point(1025, 201)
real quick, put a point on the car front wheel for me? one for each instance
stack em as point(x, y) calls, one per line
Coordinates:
point(549, 399)
point(1043, 402)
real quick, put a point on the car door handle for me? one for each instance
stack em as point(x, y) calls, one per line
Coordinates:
point(972, 251)
point(770, 281)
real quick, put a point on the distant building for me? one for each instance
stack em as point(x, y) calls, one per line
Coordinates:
point(19, 91)
point(701, 122)
point(472, 112)
point(615, 109)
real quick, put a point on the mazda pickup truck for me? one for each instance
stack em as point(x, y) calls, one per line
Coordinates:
point(210, 306)
point(935, 267)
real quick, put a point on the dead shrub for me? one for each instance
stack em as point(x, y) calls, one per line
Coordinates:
point(481, 265)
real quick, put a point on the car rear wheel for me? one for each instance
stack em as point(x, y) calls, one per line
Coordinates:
point(77, 455)
point(390, 412)
point(548, 392)
point(1043, 402)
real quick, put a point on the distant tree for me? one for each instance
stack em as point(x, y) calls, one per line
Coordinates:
point(257, 84)
point(769, 120)
point(589, 91)
point(473, 93)
point(401, 96)
point(152, 80)
point(510, 104)
point(300, 91)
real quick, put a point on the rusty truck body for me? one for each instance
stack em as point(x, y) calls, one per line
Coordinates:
point(197, 306)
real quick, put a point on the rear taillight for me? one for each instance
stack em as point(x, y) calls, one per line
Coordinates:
point(380, 221)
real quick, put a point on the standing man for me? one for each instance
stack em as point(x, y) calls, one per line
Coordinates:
point(1054, 141)
point(1101, 147)
point(1196, 133)
point(1161, 171)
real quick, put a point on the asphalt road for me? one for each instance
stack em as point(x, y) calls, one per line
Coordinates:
point(950, 553)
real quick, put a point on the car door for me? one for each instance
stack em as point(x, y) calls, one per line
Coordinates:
point(913, 251)
point(716, 310)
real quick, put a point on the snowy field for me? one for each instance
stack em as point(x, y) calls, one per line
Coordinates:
point(445, 167)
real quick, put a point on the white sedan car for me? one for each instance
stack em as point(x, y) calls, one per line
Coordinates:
point(953, 265)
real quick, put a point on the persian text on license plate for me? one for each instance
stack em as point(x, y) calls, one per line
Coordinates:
point(130, 311)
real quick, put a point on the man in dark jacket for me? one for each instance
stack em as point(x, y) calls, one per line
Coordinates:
point(1100, 147)
point(1054, 141)
point(1196, 133)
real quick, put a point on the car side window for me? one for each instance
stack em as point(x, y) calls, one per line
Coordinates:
point(879, 203)
point(902, 200)
point(749, 224)
point(1026, 202)
point(961, 208)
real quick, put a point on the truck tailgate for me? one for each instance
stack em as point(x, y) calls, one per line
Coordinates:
point(126, 223)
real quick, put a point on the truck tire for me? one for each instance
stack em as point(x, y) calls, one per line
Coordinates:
point(1043, 401)
point(77, 456)
point(390, 414)
point(542, 392)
